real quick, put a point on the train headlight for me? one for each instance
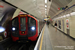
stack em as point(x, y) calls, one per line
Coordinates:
point(2, 29)
point(33, 28)
point(13, 28)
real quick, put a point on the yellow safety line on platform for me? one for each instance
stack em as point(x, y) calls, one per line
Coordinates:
point(41, 39)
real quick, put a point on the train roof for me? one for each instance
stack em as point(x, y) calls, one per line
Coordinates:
point(22, 15)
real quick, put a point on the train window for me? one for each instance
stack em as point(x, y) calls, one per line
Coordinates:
point(15, 27)
point(31, 26)
point(23, 23)
point(31, 22)
point(15, 22)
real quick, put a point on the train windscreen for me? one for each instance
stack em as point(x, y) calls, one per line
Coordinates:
point(15, 23)
point(31, 26)
point(23, 23)
point(15, 27)
point(31, 22)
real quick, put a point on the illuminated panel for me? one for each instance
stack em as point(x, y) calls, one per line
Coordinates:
point(22, 15)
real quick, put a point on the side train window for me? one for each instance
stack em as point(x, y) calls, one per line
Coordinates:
point(15, 23)
point(31, 22)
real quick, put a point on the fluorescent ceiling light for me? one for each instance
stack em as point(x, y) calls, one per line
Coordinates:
point(73, 13)
point(63, 16)
point(68, 15)
point(2, 29)
point(45, 5)
point(45, 1)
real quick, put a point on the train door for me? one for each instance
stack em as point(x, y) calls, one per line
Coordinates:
point(23, 25)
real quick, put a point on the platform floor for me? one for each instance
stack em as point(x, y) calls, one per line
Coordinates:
point(55, 40)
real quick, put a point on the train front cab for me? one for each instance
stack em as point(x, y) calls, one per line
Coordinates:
point(24, 27)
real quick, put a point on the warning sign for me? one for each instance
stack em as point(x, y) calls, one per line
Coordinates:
point(67, 23)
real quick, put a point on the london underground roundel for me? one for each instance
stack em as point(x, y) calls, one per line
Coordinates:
point(5, 34)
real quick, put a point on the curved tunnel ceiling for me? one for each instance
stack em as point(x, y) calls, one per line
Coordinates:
point(30, 6)
point(6, 11)
point(37, 7)
point(34, 7)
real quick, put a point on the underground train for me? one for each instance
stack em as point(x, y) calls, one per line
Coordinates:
point(24, 27)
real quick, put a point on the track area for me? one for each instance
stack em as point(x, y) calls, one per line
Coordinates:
point(10, 45)
point(21, 46)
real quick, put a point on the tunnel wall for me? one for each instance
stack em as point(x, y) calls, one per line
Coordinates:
point(6, 13)
point(63, 17)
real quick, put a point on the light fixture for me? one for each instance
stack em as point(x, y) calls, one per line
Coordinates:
point(45, 1)
point(73, 13)
point(45, 5)
point(13, 28)
point(67, 15)
point(2, 29)
point(63, 16)
point(33, 28)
